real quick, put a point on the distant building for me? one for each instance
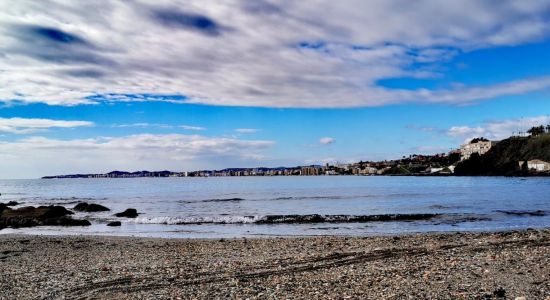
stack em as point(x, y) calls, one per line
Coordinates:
point(370, 170)
point(538, 165)
point(480, 146)
point(435, 170)
point(309, 171)
point(451, 168)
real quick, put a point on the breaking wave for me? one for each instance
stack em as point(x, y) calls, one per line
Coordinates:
point(198, 220)
point(284, 219)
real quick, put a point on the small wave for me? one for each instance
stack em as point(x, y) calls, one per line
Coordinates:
point(224, 200)
point(324, 228)
point(75, 198)
point(455, 219)
point(339, 197)
point(284, 219)
point(67, 200)
point(59, 200)
point(316, 197)
point(439, 206)
point(530, 213)
point(213, 200)
point(63, 202)
point(284, 198)
point(321, 197)
point(63, 199)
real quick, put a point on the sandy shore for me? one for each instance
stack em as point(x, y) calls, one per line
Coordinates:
point(428, 266)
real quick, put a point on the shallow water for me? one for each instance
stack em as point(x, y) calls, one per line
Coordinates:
point(239, 206)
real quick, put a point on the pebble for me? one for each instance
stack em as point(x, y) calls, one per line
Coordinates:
point(420, 266)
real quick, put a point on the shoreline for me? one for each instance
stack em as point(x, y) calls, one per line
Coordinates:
point(534, 175)
point(463, 265)
point(56, 232)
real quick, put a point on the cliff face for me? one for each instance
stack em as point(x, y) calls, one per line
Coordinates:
point(503, 157)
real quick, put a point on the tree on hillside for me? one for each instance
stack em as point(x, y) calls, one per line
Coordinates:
point(453, 158)
point(536, 130)
point(548, 128)
point(481, 139)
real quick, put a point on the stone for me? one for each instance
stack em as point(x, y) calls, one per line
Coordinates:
point(500, 292)
point(129, 213)
point(92, 207)
point(66, 221)
point(115, 223)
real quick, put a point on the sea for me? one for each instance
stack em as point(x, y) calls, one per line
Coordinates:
point(236, 207)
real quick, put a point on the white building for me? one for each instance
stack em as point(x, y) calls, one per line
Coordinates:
point(538, 165)
point(435, 170)
point(370, 170)
point(476, 146)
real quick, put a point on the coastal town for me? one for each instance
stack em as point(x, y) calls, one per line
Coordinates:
point(441, 164)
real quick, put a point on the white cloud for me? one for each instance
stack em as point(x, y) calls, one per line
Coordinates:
point(498, 129)
point(461, 131)
point(24, 126)
point(247, 130)
point(196, 128)
point(327, 140)
point(254, 53)
point(141, 125)
point(39, 156)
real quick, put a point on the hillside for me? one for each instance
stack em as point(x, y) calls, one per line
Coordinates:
point(503, 157)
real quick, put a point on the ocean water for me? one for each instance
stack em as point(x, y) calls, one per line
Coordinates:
point(282, 206)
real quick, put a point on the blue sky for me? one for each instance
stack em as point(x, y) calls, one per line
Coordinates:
point(212, 85)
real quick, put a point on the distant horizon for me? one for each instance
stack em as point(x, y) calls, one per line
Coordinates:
point(210, 85)
point(228, 168)
point(518, 134)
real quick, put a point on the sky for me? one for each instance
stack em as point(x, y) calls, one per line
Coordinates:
point(95, 86)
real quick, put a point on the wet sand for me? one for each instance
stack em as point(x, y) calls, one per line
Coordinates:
point(502, 265)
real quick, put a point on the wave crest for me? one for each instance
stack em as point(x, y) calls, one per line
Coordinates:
point(284, 219)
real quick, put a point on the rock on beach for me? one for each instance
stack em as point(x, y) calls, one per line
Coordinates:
point(129, 213)
point(30, 216)
point(91, 207)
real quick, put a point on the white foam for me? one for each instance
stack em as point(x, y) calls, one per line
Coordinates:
point(199, 220)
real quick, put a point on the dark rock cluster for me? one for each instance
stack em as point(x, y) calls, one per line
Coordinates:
point(53, 215)
point(30, 216)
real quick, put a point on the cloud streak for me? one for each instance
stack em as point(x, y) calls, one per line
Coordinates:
point(327, 140)
point(229, 53)
point(38, 156)
point(189, 127)
point(498, 129)
point(247, 130)
point(25, 126)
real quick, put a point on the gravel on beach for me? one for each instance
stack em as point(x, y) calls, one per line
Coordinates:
point(501, 265)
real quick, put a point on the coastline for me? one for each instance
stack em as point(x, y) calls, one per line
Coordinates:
point(481, 265)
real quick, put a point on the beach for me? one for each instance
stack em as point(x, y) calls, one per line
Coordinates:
point(497, 265)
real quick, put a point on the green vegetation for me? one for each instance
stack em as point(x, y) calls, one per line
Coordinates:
point(397, 170)
point(504, 157)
